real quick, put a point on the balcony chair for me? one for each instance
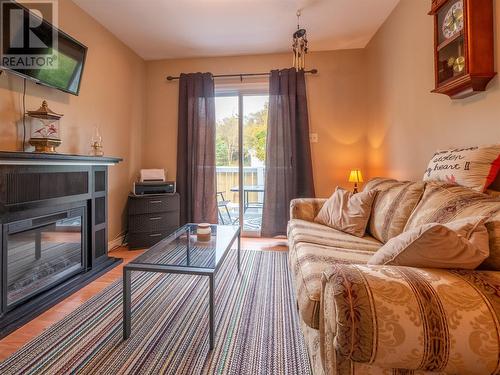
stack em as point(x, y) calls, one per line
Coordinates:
point(222, 204)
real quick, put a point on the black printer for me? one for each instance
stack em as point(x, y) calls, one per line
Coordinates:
point(154, 187)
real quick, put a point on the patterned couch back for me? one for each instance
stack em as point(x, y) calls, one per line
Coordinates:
point(392, 207)
point(400, 206)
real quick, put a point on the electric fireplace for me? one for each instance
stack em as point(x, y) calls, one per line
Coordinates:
point(53, 230)
point(42, 252)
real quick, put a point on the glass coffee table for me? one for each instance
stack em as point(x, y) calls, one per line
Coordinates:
point(181, 253)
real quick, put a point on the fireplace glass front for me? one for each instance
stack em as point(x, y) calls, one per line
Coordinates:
point(43, 252)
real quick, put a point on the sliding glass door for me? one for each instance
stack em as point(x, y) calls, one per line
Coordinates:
point(240, 151)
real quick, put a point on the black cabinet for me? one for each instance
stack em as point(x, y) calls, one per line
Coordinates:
point(151, 218)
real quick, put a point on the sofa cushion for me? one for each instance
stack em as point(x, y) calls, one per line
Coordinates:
point(459, 244)
point(307, 262)
point(314, 233)
point(443, 203)
point(347, 212)
point(392, 207)
point(472, 167)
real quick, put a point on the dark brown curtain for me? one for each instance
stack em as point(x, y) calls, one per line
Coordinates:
point(288, 152)
point(196, 181)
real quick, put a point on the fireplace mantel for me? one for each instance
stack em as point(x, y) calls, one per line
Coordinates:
point(36, 190)
point(34, 158)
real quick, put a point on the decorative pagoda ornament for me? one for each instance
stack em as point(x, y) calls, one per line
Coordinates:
point(299, 46)
point(45, 133)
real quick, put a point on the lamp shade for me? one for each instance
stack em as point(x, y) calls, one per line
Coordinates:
point(355, 176)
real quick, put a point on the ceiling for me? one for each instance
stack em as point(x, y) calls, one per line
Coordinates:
point(160, 29)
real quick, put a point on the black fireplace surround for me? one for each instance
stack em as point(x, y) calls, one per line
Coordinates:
point(53, 230)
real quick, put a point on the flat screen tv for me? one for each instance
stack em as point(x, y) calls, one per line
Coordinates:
point(65, 75)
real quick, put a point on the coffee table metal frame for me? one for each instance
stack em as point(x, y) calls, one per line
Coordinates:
point(175, 269)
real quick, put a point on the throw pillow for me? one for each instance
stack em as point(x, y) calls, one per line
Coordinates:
point(473, 167)
point(347, 212)
point(443, 203)
point(460, 244)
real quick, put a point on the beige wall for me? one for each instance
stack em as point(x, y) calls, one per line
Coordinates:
point(111, 97)
point(337, 103)
point(406, 122)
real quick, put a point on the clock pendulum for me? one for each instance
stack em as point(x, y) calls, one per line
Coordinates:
point(459, 64)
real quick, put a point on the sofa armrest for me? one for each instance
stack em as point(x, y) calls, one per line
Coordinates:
point(306, 208)
point(410, 318)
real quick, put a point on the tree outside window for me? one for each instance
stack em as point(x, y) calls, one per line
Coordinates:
point(254, 138)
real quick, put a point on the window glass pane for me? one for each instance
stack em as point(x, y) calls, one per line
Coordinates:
point(255, 109)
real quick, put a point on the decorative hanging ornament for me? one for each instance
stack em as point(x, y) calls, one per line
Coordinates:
point(299, 46)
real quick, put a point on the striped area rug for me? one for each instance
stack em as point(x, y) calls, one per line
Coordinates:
point(257, 327)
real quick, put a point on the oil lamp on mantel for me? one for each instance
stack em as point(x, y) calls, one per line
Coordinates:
point(45, 133)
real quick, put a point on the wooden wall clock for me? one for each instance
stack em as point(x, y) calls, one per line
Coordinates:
point(463, 46)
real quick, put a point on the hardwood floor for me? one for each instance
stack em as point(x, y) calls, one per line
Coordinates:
point(21, 336)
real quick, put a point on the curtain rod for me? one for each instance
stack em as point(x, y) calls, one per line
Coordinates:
point(241, 75)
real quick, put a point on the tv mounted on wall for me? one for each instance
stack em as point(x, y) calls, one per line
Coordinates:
point(35, 49)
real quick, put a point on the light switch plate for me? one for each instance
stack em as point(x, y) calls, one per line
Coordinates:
point(313, 137)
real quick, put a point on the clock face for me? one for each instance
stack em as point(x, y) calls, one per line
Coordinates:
point(454, 20)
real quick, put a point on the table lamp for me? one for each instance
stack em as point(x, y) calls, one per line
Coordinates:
point(355, 176)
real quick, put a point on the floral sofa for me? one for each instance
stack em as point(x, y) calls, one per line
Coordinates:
point(360, 319)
